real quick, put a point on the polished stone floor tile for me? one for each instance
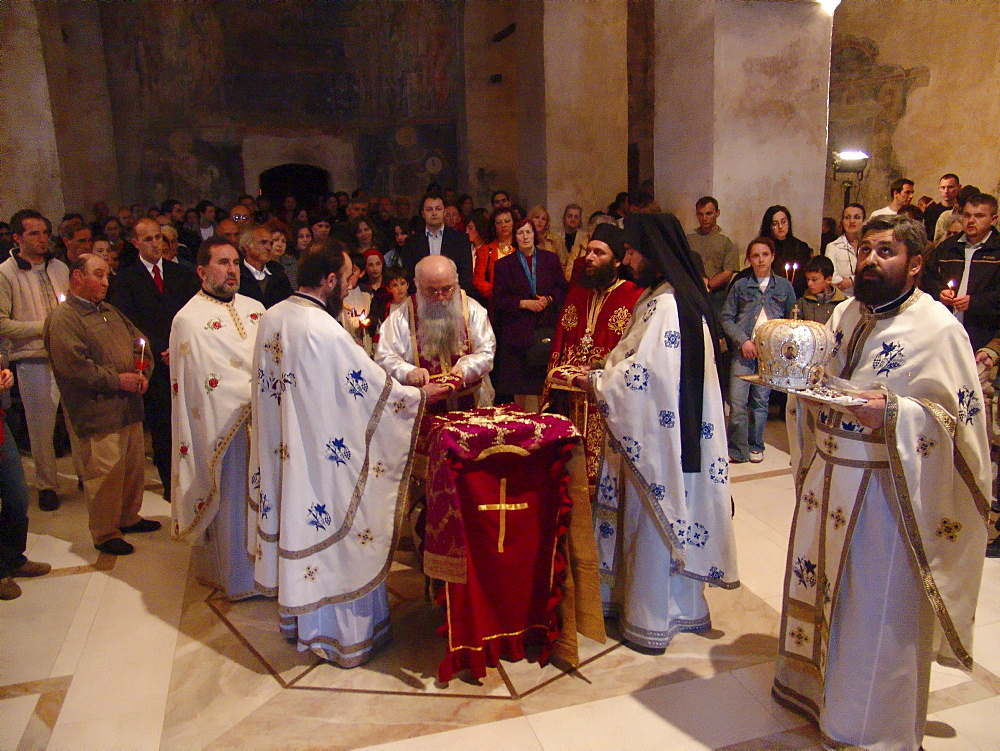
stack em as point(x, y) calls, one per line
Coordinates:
point(514, 734)
point(15, 714)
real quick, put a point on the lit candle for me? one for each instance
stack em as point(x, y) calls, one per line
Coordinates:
point(142, 360)
point(62, 297)
point(795, 269)
point(951, 284)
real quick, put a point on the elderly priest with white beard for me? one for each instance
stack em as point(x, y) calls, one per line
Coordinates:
point(439, 337)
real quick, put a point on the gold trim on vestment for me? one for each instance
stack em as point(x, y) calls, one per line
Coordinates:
point(965, 472)
point(221, 447)
point(864, 327)
point(397, 522)
point(911, 532)
point(857, 463)
point(489, 451)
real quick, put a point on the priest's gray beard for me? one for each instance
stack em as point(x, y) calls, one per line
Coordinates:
point(441, 327)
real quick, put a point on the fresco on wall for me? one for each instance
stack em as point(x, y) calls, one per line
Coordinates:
point(215, 71)
point(867, 101)
point(402, 161)
point(190, 169)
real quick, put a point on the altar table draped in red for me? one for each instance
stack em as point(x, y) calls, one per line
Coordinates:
point(499, 509)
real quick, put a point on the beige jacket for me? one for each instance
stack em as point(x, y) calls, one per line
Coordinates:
point(26, 298)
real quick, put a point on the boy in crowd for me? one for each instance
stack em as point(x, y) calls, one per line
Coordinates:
point(821, 295)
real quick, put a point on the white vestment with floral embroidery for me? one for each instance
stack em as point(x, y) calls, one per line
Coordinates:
point(211, 373)
point(889, 532)
point(661, 533)
point(333, 438)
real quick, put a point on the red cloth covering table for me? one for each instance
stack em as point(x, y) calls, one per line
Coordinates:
point(499, 499)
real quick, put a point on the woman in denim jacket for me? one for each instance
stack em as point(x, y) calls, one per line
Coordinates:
point(751, 301)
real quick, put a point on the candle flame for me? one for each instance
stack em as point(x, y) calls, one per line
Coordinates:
point(62, 297)
point(142, 342)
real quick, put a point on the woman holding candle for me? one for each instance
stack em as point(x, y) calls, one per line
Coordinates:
point(844, 250)
point(752, 300)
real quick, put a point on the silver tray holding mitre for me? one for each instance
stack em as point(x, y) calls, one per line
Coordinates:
point(840, 395)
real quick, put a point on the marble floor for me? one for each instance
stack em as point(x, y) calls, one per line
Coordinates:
point(132, 653)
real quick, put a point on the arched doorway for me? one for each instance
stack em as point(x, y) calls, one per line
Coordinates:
point(304, 181)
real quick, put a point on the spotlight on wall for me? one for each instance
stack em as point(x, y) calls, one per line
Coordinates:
point(849, 163)
point(829, 5)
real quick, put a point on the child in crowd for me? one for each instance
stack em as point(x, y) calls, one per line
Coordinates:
point(821, 296)
point(752, 300)
point(393, 293)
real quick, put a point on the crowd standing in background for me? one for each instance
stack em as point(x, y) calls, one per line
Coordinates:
point(146, 318)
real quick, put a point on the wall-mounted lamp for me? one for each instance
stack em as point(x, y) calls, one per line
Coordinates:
point(850, 163)
point(829, 5)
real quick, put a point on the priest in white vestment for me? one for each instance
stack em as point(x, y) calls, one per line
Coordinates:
point(663, 513)
point(887, 541)
point(333, 436)
point(439, 332)
point(211, 376)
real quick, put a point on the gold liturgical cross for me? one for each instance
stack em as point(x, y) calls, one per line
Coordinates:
point(503, 507)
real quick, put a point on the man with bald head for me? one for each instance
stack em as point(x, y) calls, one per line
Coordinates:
point(94, 349)
point(150, 292)
point(440, 336)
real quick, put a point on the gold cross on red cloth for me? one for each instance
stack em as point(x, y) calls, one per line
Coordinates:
point(503, 507)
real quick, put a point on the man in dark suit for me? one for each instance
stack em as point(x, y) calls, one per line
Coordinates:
point(261, 278)
point(436, 239)
point(150, 292)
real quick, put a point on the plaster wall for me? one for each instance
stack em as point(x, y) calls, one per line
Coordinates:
point(31, 176)
point(491, 113)
point(586, 104)
point(742, 99)
point(73, 47)
point(918, 93)
point(334, 154)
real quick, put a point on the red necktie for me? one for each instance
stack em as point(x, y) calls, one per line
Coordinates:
point(158, 279)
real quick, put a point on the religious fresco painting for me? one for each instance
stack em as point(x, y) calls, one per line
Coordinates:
point(201, 76)
point(867, 101)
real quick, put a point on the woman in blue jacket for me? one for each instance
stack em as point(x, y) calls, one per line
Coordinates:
point(752, 300)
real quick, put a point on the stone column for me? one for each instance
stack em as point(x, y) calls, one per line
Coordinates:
point(31, 176)
point(547, 105)
point(742, 96)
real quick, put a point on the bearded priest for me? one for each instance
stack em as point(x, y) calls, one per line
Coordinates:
point(597, 312)
point(887, 540)
point(333, 438)
point(440, 336)
point(211, 375)
point(663, 514)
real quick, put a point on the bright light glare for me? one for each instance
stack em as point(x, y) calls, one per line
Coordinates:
point(829, 5)
point(851, 156)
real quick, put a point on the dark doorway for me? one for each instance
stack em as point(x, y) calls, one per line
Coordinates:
point(304, 181)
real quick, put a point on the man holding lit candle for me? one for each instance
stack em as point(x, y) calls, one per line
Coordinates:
point(94, 349)
point(964, 271)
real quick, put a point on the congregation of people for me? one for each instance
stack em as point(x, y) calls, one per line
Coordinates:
point(284, 361)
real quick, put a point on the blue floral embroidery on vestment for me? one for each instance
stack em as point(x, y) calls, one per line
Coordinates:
point(356, 385)
point(275, 386)
point(265, 506)
point(707, 430)
point(603, 408)
point(718, 470)
point(659, 492)
point(629, 353)
point(851, 426)
point(824, 417)
point(632, 447)
point(667, 418)
point(805, 572)
point(337, 452)
point(968, 405)
point(636, 377)
point(697, 535)
point(650, 309)
point(890, 358)
point(608, 487)
point(679, 530)
point(606, 529)
point(318, 516)
point(838, 338)
point(255, 480)
point(715, 573)
point(672, 339)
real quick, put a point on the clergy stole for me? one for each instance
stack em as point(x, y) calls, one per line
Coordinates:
point(498, 514)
